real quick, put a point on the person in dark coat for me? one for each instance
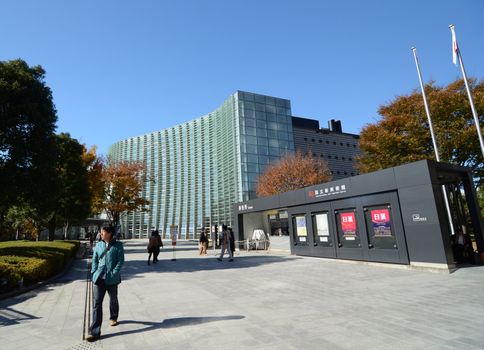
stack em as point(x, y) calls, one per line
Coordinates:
point(232, 240)
point(154, 245)
point(203, 242)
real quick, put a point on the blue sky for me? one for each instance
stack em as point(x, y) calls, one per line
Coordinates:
point(124, 68)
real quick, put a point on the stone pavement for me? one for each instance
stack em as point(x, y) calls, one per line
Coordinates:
point(259, 301)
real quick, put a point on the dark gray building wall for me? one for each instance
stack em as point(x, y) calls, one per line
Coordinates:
point(338, 149)
point(418, 197)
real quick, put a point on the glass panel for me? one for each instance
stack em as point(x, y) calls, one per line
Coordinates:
point(321, 229)
point(299, 228)
point(259, 107)
point(250, 122)
point(260, 98)
point(271, 109)
point(379, 228)
point(251, 149)
point(249, 131)
point(249, 113)
point(347, 229)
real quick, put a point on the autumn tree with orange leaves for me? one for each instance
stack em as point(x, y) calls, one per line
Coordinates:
point(402, 134)
point(291, 172)
point(123, 183)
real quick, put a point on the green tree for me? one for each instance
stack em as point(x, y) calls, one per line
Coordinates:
point(402, 134)
point(20, 218)
point(27, 140)
point(72, 193)
point(291, 172)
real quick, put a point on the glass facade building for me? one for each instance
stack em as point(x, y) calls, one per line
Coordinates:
point(202, 167)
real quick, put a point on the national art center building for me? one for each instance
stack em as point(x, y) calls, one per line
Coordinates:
point(202, 167)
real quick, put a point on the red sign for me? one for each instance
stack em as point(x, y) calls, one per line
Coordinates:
point(380, 215)
point(380, 219)
point(348, 223)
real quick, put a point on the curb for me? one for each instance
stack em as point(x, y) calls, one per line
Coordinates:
point(36, 285)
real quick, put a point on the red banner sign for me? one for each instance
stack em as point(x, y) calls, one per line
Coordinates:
point(348, 223)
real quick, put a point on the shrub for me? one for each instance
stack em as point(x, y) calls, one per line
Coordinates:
point(33, 261)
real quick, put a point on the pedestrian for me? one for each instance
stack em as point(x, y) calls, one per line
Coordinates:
point(232, 241)
point(203, 242)
point(107, 260)
point(154, 245)
point(225, 242)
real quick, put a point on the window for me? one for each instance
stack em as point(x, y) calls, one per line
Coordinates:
point(305, 139)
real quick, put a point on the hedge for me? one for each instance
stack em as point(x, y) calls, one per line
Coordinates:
point(32, 261)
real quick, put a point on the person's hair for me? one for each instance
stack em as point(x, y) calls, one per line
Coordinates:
point(108, 229)
point(153, 233)
point(224, 227)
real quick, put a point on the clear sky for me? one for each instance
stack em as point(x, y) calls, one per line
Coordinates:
point(123, 68)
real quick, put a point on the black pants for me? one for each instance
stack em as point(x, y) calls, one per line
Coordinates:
point(100, 289)
point(155, 252)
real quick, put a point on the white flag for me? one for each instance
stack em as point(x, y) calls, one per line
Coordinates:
point(454, 46)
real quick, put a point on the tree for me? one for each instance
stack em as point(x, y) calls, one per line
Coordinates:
point(72, 193)
point(291, 172)
point(402, 135)
point(27, 140)
point(123, 185)
point(94, 165)
point(20, 218)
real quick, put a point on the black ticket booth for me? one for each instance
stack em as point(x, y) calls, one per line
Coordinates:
point(397, 215)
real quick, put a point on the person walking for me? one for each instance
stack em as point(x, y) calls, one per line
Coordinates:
point(232, 241)
point(203, 242)
point(107, 260)
point(154, 245)
point(225, 243)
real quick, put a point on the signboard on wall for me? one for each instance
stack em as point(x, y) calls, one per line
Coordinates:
point(322, 224)
point(348, 225)
point(380, 219)
point(301, 227)
point(173, 234)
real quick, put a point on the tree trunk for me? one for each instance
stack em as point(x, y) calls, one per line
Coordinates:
point(52, 228)
point(16, 235)
point(66, 228)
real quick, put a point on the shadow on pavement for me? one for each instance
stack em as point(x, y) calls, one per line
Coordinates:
point(132, 268)
point(9, 316)
point(171, 323)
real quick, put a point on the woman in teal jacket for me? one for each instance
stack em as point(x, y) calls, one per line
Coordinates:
point(107, 260)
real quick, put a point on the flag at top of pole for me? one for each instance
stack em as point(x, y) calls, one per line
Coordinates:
point(455, 48)
point(457, 56)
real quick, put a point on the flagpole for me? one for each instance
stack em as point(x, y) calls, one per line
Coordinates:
point(471, 101)
point(434, 140)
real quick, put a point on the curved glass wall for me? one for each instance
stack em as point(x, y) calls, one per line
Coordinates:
point(202, 167)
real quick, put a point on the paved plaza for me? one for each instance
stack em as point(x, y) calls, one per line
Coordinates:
point(259, 301)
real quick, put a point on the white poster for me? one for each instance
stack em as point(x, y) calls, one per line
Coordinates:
point(322, 224)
